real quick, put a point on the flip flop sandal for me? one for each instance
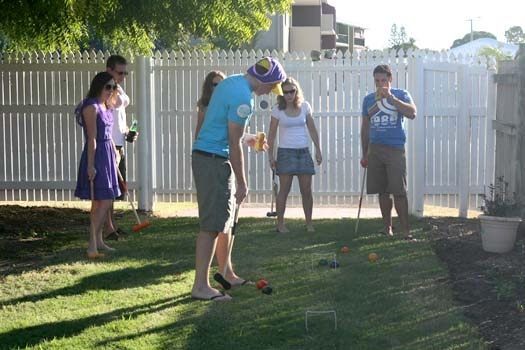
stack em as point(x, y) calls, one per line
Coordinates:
point(385, 233)
point(121, 232)
point(113, 236)
point(219, 297)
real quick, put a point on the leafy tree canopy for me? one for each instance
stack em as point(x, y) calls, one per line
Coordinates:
point(495, 52)
point(475, 35)
point(399, 39)
point(132, 26)
point(515, 35)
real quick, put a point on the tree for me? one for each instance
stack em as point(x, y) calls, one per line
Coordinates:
point(475, 35)
point(515, 35)
point(398, 39)
point(495, 52)
point(132, 26)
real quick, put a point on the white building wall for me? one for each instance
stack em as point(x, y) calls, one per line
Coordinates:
point(277, 36)
point(301, 39)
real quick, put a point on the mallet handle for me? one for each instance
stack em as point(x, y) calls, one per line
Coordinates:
point(218, 277)
point(125, 187)
point(360, 201)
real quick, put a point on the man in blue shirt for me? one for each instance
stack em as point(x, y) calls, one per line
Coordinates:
point(218, 168)
point(383, 138)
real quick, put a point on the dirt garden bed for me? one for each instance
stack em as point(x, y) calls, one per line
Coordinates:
point(490, 286)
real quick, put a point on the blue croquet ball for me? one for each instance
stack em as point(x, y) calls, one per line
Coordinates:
point(267, 290)
point(334, 264)
point(323, 262)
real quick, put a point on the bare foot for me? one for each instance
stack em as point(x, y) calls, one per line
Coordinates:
point(282, 229)
point(387, 231)
point(94, 255)
point(104, 246)
point(408, 237)
point(237, 281)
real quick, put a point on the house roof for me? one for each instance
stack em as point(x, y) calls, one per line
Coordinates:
point(472, 48)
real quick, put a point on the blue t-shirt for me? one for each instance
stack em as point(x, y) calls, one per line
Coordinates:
point(232, 100)
point(387, 125)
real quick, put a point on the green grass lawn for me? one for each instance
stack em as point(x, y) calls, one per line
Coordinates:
point(138, 296)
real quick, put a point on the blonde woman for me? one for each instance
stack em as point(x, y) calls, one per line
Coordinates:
point(293, 117)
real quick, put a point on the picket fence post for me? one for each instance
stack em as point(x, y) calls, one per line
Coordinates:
point(463, 141)
point(146, 114)
point(492, 102)
point(416, 139)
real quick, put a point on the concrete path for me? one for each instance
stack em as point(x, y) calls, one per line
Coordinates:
point(297, 212)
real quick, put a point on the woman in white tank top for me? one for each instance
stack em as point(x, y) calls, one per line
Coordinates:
point(293, 117)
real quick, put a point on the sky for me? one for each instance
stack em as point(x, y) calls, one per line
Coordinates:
point(433, 24)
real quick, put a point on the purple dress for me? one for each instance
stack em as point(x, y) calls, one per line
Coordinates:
point(106, 179)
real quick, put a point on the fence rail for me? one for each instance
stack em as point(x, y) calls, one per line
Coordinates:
point(449, 146)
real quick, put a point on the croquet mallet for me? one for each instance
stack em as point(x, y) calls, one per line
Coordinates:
point(92, 196)
point(218, 277)
point(140, 225)
point(272, 213)
point(360, 201)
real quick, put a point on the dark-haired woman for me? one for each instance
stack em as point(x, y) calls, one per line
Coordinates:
point(212, 79)
point(97, 172)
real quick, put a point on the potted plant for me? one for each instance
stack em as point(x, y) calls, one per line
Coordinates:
point(500, 219)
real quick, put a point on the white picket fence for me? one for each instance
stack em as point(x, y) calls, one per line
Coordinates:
point(450, 144)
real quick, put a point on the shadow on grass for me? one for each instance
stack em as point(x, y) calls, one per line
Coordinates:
point(114, 280)
point(31, 336)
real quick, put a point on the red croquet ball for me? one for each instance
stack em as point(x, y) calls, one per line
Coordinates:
point(261, 284)
point(345, 250)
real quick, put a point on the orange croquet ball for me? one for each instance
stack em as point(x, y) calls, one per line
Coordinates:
point(372, 257)
point(345, 250)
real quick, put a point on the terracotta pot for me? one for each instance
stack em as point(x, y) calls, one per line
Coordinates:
point(498, 234)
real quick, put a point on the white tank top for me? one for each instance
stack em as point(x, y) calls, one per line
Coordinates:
point(293, 132)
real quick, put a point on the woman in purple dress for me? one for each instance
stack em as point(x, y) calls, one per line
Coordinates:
point(97, 173)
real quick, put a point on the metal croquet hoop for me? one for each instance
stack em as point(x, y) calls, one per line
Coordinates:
point(315, 257)
point(311, 312)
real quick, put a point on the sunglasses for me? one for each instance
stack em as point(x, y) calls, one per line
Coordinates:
point(290, 92)
point(111, 87)
point(121, 73)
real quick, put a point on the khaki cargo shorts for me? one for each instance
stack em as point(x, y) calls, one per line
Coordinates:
point(215, 183)
point(386, 170)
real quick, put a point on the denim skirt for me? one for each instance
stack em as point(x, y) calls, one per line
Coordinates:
point(294, 161)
